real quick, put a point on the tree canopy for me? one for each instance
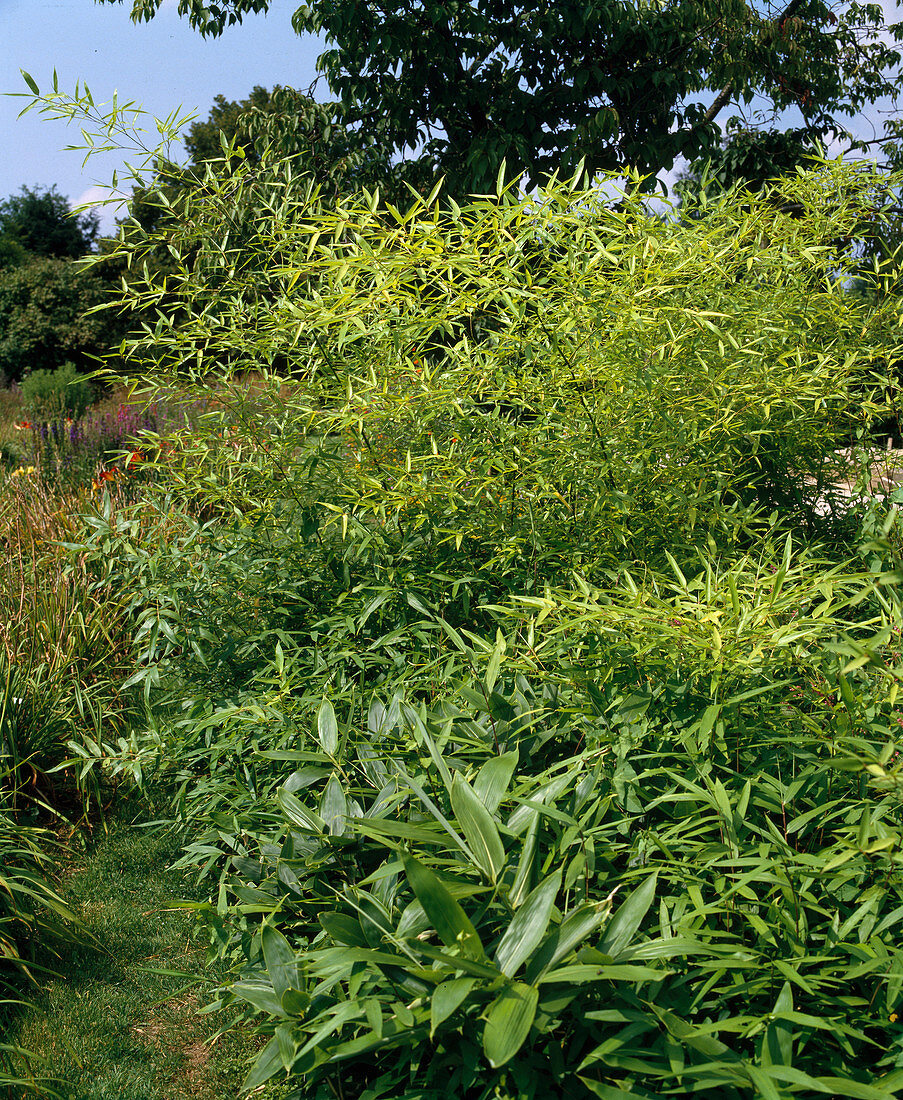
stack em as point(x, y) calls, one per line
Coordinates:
point(44, 295)
point(337, 157)
point(45, 317)
point(39, 223)
point(462, 86)
point(750, 159)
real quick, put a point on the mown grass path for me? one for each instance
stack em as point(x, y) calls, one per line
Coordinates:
point(109, 1027)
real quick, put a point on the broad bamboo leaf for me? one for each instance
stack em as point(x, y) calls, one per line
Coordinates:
point(508, 1022)
point(282, 969)
point(295, 1002)
point(763, 1083)
point(343, 929)
point(624, 925)
point(777, 1047)
point(528, 926)
point(696, 1037)
point(304, 777)
point(523, 877)
point(334, 807)
point(572, 931)
point(374, 1013)
point(288, 1046)
point(493, 779)
point(267, 1065)
point(452, 924)
point(495, 660)
point(261, 995)
point(297, 813)
point(447, 997)
point(478, 827)
point(360, 1044)
point(613, 1092)
point(377, 717)
point(581, 973)
point(327, 728)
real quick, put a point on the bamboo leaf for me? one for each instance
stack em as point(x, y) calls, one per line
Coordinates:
point(478, 827)
point(261, 995)
point(777, 1048)
point(447, 997)
point(524, 875)
point(493, 779)
point(624, 925)
point(267, 1065)
point(508, 1022)
point(282, 969)
point(572, 931)
point(297, 813)
point(327, 728)
point(495, 661)
point(528, 926)
point(334, 807)
point(452, 924)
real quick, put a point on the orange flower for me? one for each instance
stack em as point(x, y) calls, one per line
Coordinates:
point(103, 476)
point(21, 425)
point(133, 458)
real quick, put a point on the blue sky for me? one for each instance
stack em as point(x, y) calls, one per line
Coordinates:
point(162, 65)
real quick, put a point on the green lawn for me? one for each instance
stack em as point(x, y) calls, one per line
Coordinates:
point(110, 1026)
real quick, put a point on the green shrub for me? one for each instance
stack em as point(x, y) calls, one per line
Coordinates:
point(685, 783)
point(686, 901)
point(52, 396)
point(549, 385)
point(533, 696)
point(47, 315)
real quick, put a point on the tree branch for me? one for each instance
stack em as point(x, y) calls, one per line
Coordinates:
point(728, 90)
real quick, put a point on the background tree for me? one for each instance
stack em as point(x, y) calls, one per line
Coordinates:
point(45, 296)
point(462, 87)
point(44, 318)
point(748, 158)
point(335, 157)
point(40, 223)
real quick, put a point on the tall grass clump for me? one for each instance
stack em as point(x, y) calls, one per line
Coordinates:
point(64, 654)
point(60, 671)
point(36, 924)
point(530, 689)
